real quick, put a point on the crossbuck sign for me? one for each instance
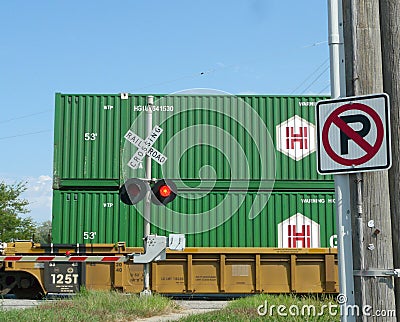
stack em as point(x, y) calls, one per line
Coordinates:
point(145, 148)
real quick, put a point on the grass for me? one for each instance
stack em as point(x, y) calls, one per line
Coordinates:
point(94, 306)
point(104, 306)
point(245, 309)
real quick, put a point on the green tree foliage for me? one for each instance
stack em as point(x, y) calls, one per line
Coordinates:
point(43, 233)
point(11, 205)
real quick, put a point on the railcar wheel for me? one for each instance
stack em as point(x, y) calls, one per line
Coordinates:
point(28, 288)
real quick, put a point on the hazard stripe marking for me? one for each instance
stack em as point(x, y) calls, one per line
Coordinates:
point(12, 258)
point(111, 258)
point(77, 258)
point(91, 259)
point(45, 258)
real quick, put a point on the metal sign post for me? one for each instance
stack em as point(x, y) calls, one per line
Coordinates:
point(147, 199)
point(342, 184)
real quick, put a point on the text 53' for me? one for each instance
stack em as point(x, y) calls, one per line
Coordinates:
point(89, 234)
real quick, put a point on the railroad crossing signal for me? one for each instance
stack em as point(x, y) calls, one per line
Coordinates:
point(134, 190)
point(145, 148)
point(163, 192)
point(353, 134)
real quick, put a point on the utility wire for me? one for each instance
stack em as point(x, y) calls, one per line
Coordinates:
point(24, 134)
point(310, 76)
point(198, 74)
point(318, 77)
point(316, 44)
point(25, 116)
point(325, 88)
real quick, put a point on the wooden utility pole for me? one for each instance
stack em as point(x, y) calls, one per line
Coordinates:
point(372, 242)
point(390, 33)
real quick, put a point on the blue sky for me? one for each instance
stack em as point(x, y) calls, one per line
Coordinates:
point(254, 46)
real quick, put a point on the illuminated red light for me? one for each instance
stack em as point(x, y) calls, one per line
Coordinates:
point(165, 191)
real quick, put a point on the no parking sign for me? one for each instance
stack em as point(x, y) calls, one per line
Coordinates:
point(353, 134)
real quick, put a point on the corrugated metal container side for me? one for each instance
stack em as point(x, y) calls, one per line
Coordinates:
point(93, 216)
point(90, 129)
point(87, 137)
point(287, 219)
point(192, 136)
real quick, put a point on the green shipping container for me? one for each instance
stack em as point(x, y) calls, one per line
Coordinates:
point(208, 137)
point(207, 218)
point(87, 137)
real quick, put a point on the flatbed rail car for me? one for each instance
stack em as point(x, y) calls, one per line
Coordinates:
point(31, 270)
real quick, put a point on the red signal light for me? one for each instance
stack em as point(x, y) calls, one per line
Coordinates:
point(165, 191)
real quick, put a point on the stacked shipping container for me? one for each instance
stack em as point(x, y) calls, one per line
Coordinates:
point(244, 165)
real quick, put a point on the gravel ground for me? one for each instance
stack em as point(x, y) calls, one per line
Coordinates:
point(189, 307)
point(9, 304)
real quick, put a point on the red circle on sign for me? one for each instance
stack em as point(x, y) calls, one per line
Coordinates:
point(371, 150)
